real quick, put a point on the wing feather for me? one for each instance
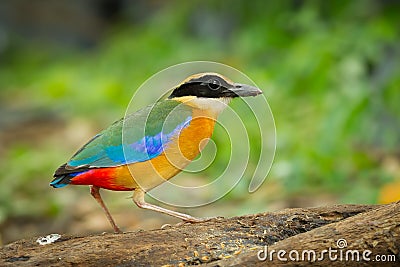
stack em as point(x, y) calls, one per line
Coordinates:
point(138, 137)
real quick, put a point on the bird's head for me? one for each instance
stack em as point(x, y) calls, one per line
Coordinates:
point(213, 85)
point(211, 91)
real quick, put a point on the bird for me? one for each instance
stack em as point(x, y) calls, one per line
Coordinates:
point(152, 145)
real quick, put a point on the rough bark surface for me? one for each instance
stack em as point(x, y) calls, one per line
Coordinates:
point(229, 241)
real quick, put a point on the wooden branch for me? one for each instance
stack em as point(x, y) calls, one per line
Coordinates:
point(373, 233)
point(224, 242)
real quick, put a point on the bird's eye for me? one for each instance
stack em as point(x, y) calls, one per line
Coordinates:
point(214, 84)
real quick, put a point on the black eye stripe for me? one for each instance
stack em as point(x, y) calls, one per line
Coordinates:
point(209, 86)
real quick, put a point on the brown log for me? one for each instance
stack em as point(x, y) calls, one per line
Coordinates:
point(225, 242)
point(368, 239)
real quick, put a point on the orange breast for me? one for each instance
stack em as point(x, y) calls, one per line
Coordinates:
point(178, 154)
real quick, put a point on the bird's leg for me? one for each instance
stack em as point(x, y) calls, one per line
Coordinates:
point(95, 192)
point(138, 198)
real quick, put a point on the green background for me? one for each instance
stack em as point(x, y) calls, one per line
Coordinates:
point(330, 71)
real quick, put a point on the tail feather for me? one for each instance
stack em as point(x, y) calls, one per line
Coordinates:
point(61, 181)
point(64, 174)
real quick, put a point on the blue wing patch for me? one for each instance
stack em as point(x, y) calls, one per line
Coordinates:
point(147, 148)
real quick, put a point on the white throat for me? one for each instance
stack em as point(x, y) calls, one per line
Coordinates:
point(214, 105)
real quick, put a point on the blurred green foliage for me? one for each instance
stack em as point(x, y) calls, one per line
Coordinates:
point(329, 69)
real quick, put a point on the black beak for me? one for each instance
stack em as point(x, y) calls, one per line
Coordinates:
point(244, 90)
